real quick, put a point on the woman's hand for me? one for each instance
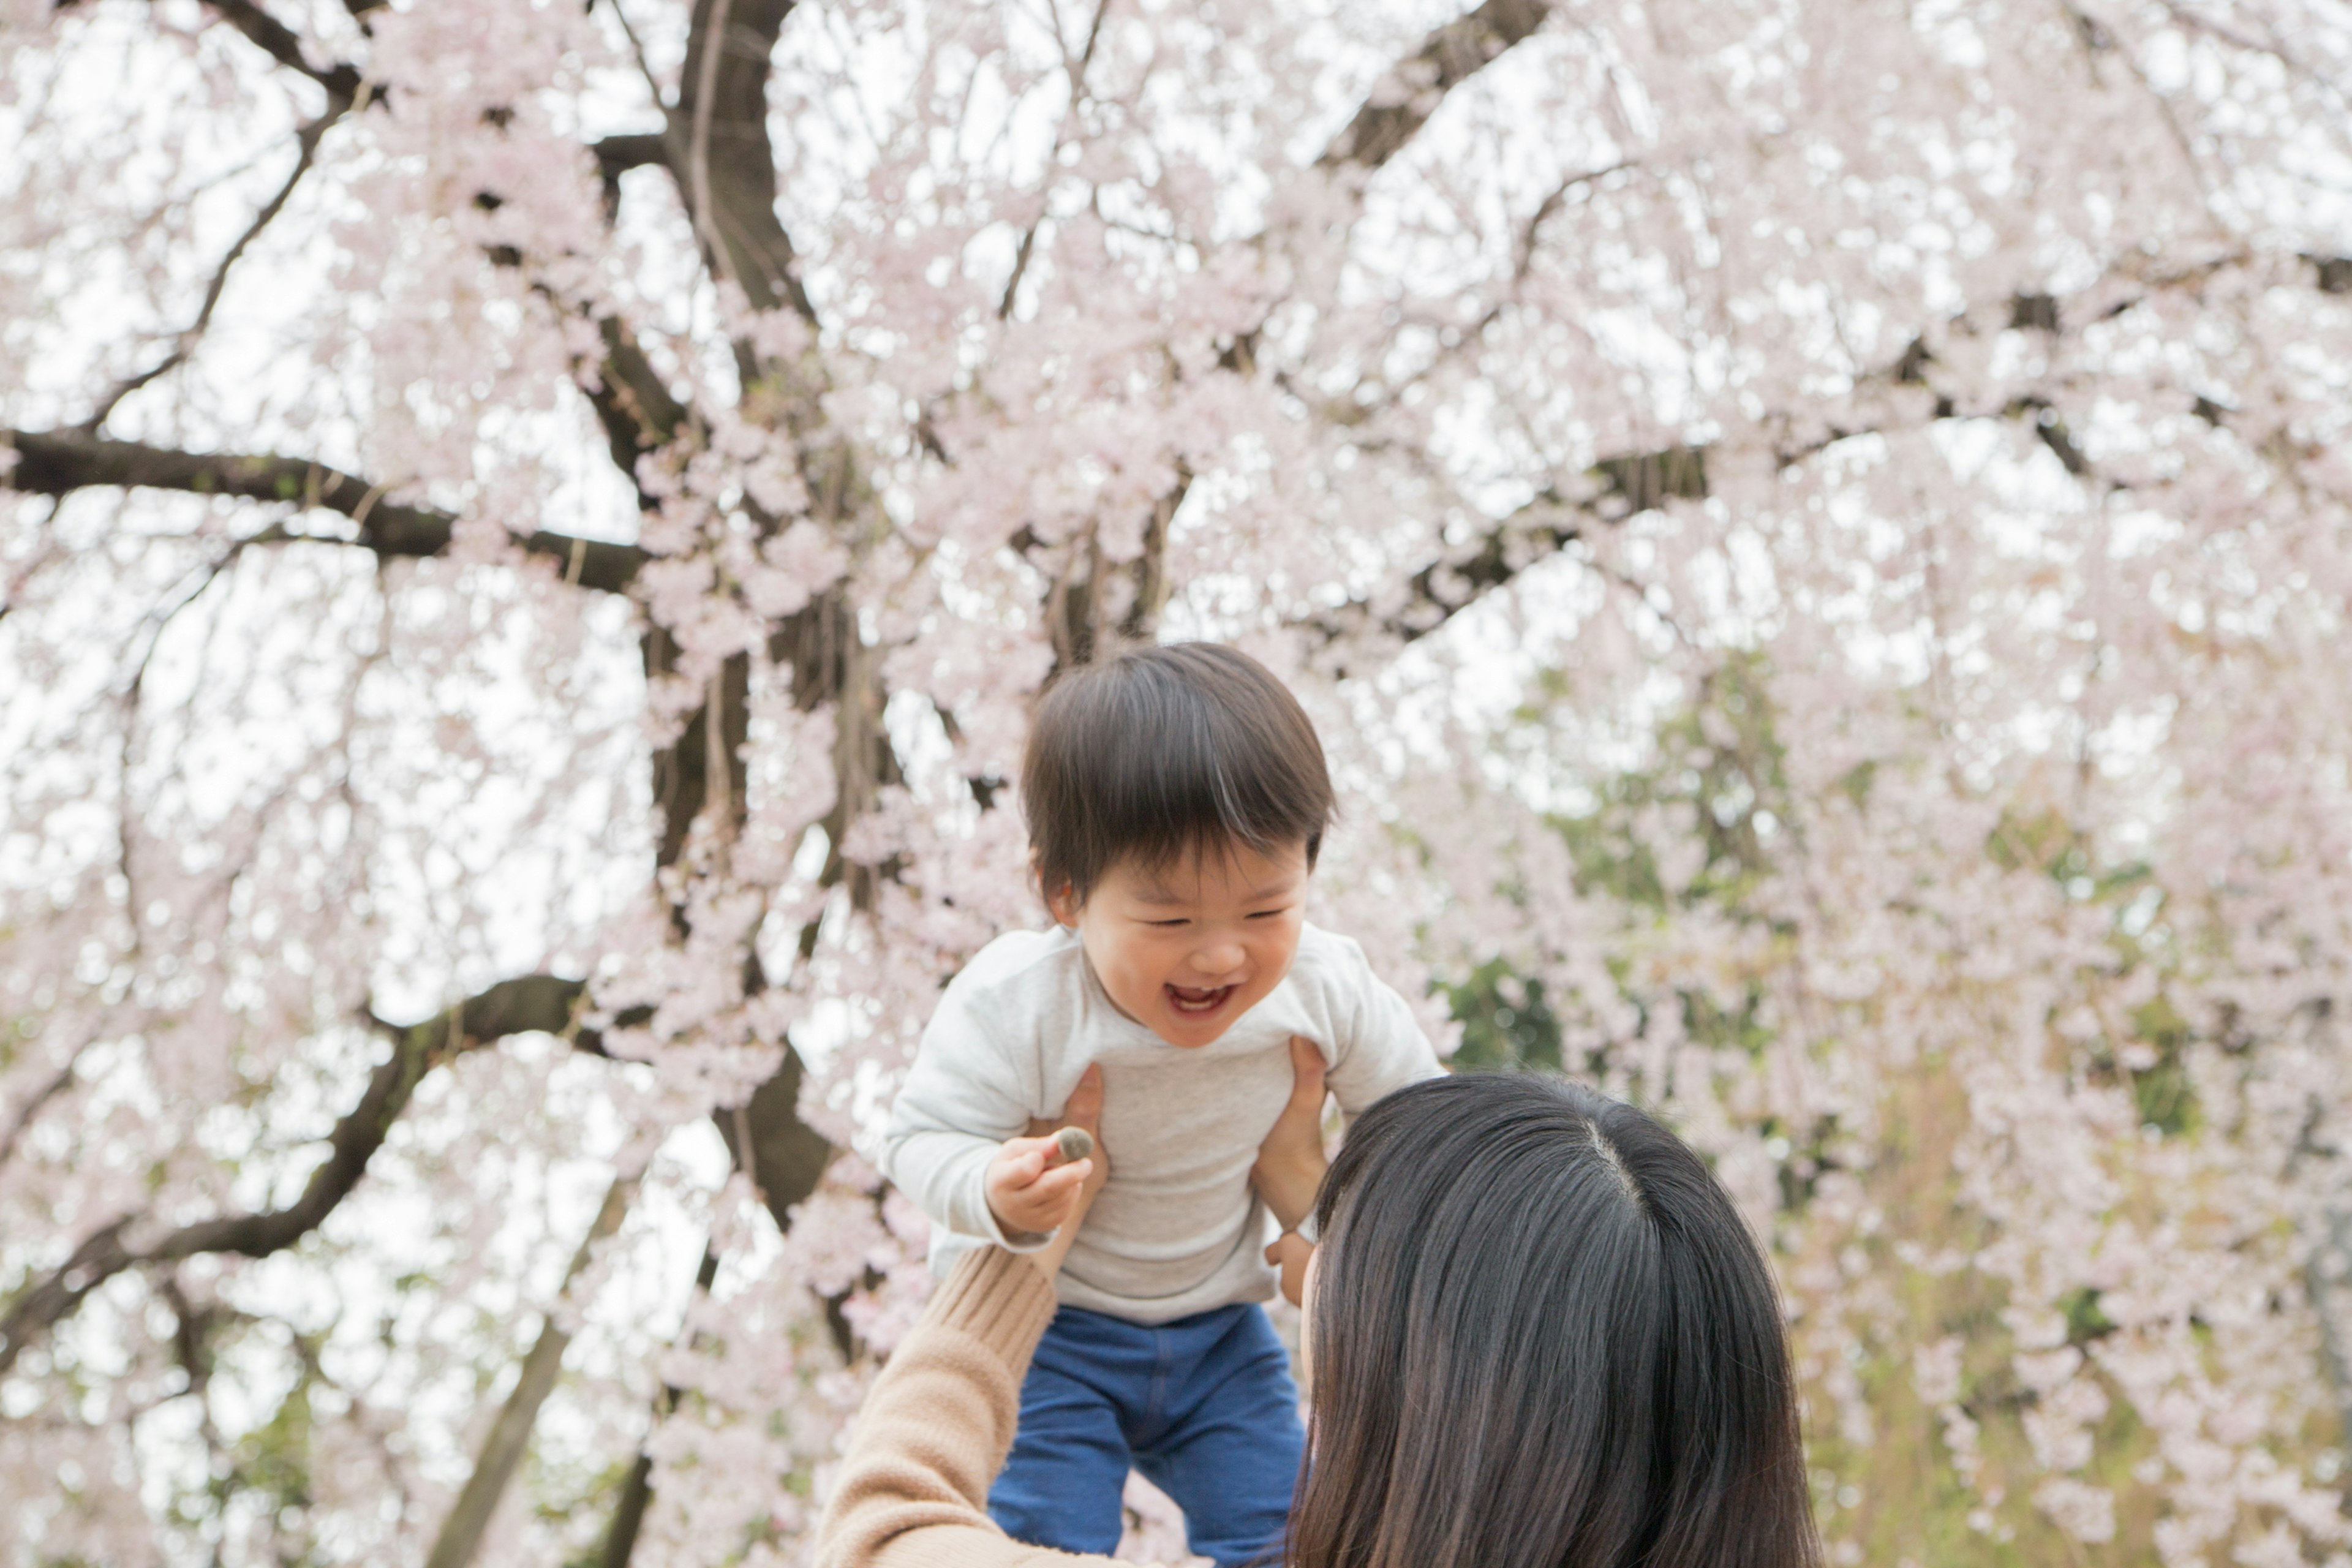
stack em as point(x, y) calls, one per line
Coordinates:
point(1290, 1163)
point(1083, 1111)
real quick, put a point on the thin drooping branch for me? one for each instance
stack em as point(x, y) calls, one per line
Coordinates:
point(784, 1156)
point(1523, 249)
point(306, 145)
point(636, 408)
point(1076, 70)
point(537, 1002)
point(509, 1435)
point(58, 462)
point(705, 770)
point(57, 1083)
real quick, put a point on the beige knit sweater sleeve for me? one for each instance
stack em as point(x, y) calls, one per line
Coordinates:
point(913, 1491)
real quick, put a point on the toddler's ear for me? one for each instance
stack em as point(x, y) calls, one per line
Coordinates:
point(1060, 902)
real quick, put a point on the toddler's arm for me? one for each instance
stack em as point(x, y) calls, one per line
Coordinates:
point(962, 1102)
point(1381, 1047)
point(1290, 1166)
point(1290, 1161)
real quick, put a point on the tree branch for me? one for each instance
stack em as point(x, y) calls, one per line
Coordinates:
point(58, 462)
point(509, 1435)
point(525, 1005)
point(306, 142)
point(636, 1489)
point(1402, 101)
point(535, 1001)
point(632, 402)
point(617, 154)
point(279, 42)
point(1076, 72)
point(106, 1254)
point(1395, 110)
point(1633, 482)
point(1618, 488)
point(739, 163)
point(57, 1085)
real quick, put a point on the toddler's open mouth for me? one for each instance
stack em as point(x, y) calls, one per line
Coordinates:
point(1195, 1002)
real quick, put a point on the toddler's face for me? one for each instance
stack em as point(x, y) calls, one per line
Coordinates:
point(1187, 948)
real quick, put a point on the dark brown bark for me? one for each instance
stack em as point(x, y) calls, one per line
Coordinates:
point(1404, 98)
point(830, 663)
point(787, 1159)
point(1142, 622)
point(616, 155)
point(279, 42)
point(682, 769)
point(59, 462)
point(634, 406)
point(735, 154)
point(1621, 486)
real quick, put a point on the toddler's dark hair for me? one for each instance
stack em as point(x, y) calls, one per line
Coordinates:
point(1161, 752)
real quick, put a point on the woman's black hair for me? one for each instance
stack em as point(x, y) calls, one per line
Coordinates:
point(1542, 1337)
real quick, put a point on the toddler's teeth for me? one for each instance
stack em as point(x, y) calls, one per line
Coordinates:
point(1189, 1000)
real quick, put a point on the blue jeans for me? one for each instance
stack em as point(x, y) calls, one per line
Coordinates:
point(1203, 1406)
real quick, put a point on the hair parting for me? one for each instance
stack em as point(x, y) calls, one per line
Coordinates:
point(1543, 1338)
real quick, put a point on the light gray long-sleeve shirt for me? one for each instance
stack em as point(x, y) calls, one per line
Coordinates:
point(1177, 1229)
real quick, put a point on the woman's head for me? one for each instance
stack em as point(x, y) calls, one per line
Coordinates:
point(1541, 1334)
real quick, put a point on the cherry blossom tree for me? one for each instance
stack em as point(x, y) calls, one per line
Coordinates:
point(1816, 533)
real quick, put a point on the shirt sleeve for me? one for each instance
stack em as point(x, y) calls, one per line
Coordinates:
point(963, 1098)
point(912, 1492)
point(1381, 1048)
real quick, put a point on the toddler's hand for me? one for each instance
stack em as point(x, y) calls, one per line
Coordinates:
point(1031, 1189)
point(1289, 1252)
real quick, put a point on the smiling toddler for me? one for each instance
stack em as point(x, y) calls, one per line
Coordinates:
point(1176, 799)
